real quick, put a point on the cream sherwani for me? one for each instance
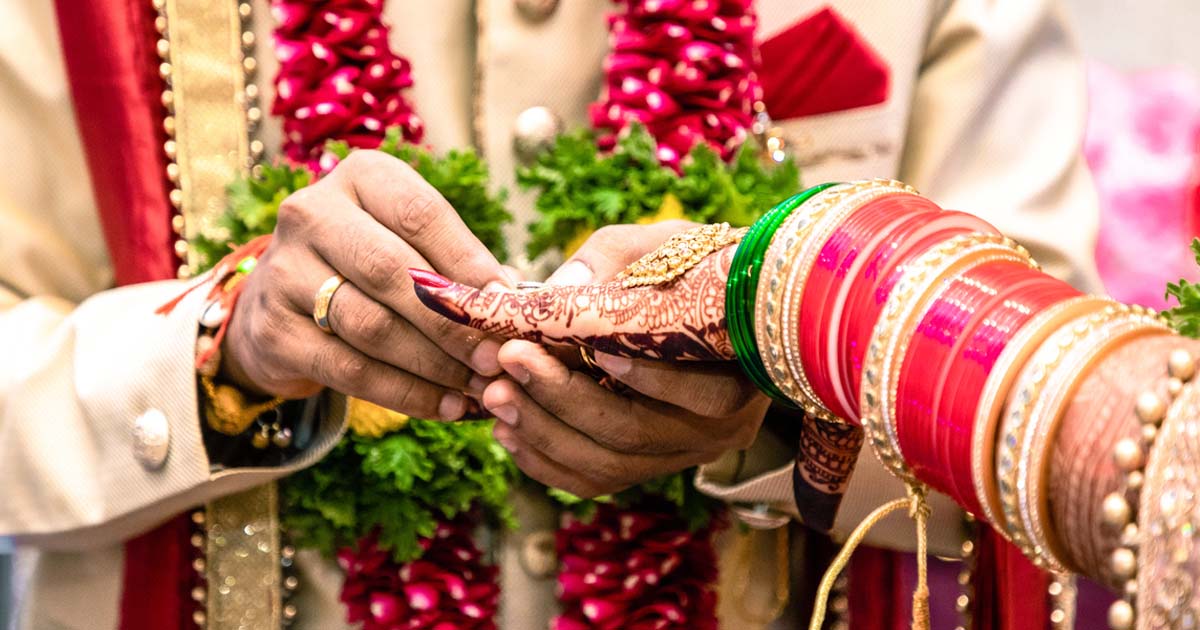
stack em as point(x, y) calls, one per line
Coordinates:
point(985, 113)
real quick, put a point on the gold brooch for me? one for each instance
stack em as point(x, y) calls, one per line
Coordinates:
point(678, 254)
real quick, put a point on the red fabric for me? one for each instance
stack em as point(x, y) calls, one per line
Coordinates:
point(113, 70)
point(112, 65)
point(820, 65)
point(876, 591)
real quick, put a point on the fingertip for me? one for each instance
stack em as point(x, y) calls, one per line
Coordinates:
point(452, 406)
point(527, 360)
point(613, 364)
point(573, 272)
point(500, 393)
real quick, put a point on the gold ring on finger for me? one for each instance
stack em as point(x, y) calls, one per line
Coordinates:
point(323, 299)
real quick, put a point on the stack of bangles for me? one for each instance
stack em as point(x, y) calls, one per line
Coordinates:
point(867, 303)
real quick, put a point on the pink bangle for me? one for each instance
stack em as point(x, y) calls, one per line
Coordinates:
point(939, 328)
point(963, 377)
point(883, 268)
point(841, 256)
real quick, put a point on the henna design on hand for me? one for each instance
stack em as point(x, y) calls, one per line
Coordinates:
point(682, 320)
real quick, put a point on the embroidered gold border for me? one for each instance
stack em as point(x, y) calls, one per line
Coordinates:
point(211, 110)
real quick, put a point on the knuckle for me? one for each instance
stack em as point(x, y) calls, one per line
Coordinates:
point(297, 210)
point(416, 212)
point(409, 399)
point(368, 325)
point(360, 159)
point(378, 265)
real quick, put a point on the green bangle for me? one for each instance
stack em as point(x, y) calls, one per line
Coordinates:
point(742, 287)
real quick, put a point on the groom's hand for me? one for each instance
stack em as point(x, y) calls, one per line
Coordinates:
point(567, 431)
point(370, 220)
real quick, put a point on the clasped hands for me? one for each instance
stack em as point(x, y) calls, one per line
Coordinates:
point(373, 219)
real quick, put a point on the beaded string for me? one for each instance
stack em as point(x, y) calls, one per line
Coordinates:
point(1130, 456)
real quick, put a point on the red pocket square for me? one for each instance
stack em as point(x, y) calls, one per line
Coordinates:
point(819, 65)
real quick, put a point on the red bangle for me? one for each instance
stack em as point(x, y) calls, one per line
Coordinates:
point(835, 261)
point(972, 362)
point(937, 332)
point(869, 292)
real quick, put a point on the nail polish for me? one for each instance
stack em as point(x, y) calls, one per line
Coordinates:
point(429, 279)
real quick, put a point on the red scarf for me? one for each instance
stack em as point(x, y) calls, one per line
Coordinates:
point(109, 47)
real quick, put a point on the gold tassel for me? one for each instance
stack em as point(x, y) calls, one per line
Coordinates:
point(918, 510)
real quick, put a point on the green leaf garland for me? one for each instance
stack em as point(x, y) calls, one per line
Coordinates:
point(581, 189)
point(1185, 317)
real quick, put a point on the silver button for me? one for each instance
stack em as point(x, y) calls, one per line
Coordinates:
point(536, 10)
point(538, 557)
point(534, 131)
point(151, 439)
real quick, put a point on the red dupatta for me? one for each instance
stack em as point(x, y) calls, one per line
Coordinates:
point(109, 48)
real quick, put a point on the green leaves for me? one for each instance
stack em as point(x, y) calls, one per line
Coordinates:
point(677, 490)
point(1185, 318)
point(399, 485)
point(581, 189)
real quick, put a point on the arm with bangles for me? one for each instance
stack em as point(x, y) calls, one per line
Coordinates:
point(687, 316)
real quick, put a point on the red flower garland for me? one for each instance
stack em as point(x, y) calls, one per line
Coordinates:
point(684, 69)
point(448, 588)
point(636, 569)
point(338, 78)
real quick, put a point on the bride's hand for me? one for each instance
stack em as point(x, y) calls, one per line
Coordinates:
point(566, 430)
point(677, 321)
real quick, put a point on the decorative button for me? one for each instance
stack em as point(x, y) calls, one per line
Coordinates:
point(538, 557)
point(151, 439)
point(536, 10)
point(534, 132)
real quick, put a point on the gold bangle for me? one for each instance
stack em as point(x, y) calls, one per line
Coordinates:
point(1064, 347)
point(918, 285)
point(1045, 418)
point(995, 390)
point(228, 412)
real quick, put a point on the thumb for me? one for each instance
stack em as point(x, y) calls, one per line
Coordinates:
point(611, 249)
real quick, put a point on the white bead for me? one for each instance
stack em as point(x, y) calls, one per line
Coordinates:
point(1128, 455)
point(214, 315)
point(1120, 615)
point(1116, 510)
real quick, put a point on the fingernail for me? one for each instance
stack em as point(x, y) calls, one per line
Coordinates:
point(495, 286)
point(613, 364)
point(427, 278)
point(512, 275)
point(506, 414)
point(517, 371)
point(477, 384)
point(485, 359)
point(572, 273)
point(503, 435)
point(452, 406)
